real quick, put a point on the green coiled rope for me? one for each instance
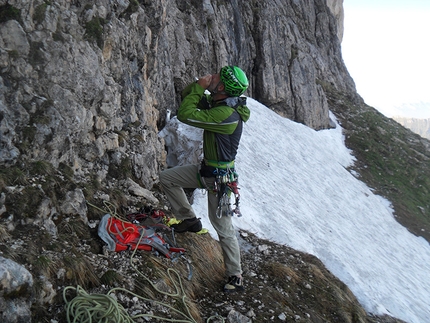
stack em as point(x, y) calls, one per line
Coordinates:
point(88, 308)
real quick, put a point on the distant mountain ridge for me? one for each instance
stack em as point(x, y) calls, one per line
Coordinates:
point(418, 110)
point(417, 125)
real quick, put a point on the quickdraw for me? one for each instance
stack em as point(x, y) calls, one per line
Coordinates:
point(226, 183)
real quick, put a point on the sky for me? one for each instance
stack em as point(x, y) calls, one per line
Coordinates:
point(296, 190)
point(387, 52)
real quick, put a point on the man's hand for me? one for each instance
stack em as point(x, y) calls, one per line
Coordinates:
point(205, 81)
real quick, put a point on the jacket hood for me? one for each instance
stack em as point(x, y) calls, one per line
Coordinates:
point(244, 112)
point(239, 104)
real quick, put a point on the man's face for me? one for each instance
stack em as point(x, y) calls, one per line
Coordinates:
point(215, 82)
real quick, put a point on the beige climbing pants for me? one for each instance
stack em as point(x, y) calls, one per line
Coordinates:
point(173, 181)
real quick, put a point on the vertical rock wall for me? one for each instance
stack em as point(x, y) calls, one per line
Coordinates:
point(87, 84)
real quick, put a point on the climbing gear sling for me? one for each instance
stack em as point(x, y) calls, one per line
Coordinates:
point(225, 184)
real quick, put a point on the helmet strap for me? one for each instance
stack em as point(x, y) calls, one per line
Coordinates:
point(215, 90)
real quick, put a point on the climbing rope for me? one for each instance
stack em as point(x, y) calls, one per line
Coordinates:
point(88, 308)
point(104, 308)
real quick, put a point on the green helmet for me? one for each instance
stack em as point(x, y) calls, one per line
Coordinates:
point(234, 79)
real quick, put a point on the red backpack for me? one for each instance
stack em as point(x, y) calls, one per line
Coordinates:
point(123, 235)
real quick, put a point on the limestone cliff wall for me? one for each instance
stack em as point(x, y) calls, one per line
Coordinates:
point(86, 84)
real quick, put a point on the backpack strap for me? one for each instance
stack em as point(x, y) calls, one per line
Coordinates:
point(236, 101)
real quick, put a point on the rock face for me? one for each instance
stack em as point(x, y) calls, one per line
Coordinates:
point(336, 7)
point(88, 85)
point(15, 280)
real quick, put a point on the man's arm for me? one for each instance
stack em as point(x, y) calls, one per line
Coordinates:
point(214, 119)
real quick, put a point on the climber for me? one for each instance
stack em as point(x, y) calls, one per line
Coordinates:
point(221, 115)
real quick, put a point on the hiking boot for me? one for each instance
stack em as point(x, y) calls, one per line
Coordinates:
point(191, 225)
point(235, 284)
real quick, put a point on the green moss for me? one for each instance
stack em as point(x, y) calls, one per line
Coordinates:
point(25, 203)
point(75, 226)
point(39, 13)
point(58, 36)
point(66, 170)
point(35, 56)
point(42, 263)
point(110, 277)
point(54, 246)
point(118, 198)
point(38, 180)
point(90, 188)
point(122, 137)
point(29, 132)
point(122, 171)
point(31, 199)
point(294, 52)
point(138, 137)
point(4, 234)
point(42, 167)
point(8, 12)
point(41, 114)
point(132, 8)
point(41, 119)
point(79, 270)
point(94, 30)
point(11, 176)
point(136, 124)
point(13, 54)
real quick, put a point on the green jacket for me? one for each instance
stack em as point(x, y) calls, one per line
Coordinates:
point(222, 121)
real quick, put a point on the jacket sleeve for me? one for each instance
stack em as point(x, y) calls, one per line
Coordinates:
point(214, 119)
point(203, 103)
